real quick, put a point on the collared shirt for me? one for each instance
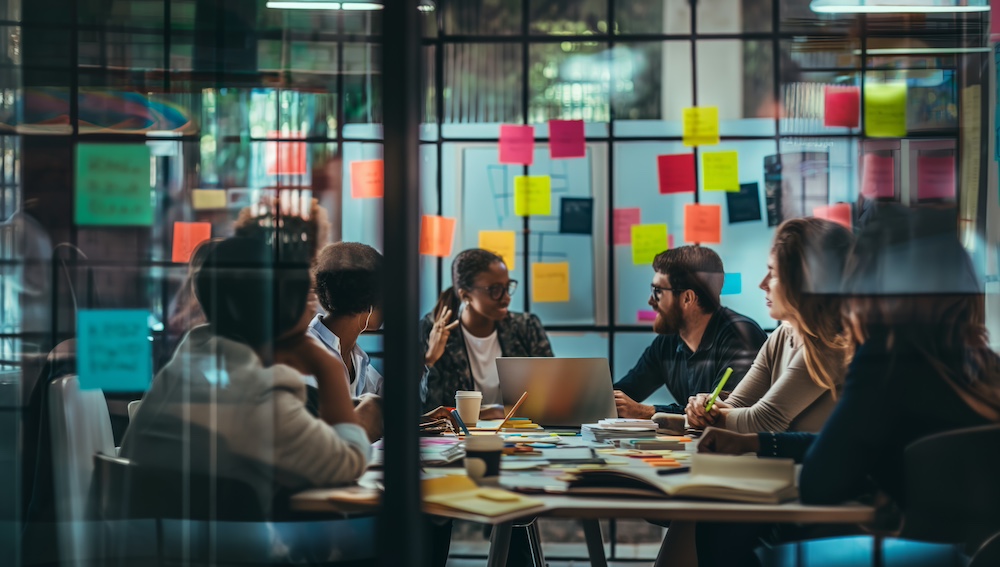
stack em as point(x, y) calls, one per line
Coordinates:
point(367, 380)
point(730, 340)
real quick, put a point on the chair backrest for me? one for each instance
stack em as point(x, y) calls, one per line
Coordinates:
point(951, 487)
point(133, 407)
point(80, 426)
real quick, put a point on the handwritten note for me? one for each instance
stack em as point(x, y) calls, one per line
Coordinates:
point(701, 126)
point(648, 240)
point(841, 106)
point(367, 179)
point(676, 173)
point(732, 284)
point(885, 110)
point(839, 213)
point(576, 215)
point(721, 171)
point(532, 195)
point(113, 350)
point(878, 174)
point(517, 144)
point(206, 199)
point(566, 139)
point(624, 219)
point(645, 315)
point(187, 237)
point(113, 185)
point(935, 177)
point(503, 243)
point(550, 282)
point(283, 156)
point(436, 235)
point(703, 224)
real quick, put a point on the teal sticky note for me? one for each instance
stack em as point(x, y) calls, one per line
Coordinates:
point(733, 284)
point(112, 185)
point(113, 350)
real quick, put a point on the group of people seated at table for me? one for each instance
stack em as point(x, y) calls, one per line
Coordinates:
point(881, 341)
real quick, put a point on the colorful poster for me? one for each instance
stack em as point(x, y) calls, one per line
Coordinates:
point(113, 186)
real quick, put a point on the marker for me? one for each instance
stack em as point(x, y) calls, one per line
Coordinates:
point(677, 470)
point(461, 423)
point(718, 389)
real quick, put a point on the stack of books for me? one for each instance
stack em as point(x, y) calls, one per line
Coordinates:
point(619, 428)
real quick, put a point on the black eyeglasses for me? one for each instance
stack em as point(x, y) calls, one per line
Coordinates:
point(496, 291)
point(655, 291)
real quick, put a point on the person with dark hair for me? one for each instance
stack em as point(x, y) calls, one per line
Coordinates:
point(919, 341)
point(698, 338)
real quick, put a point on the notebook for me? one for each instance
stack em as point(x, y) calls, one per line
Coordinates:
point(460, 493)
point(713, 477)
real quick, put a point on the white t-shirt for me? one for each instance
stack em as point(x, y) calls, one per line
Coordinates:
point(483, 354)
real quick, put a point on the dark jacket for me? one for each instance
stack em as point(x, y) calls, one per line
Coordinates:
point(520, 334)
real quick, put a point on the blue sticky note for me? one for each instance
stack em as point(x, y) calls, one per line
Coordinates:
point(733, 284)
point(113, 350)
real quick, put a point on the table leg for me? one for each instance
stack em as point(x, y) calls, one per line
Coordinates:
point(595, 543)
point(535, 541)
point(499, 545)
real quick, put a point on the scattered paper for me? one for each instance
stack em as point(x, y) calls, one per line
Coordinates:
point(436, 235)
point(113, 186)
point(550, 282)
point(532, 195)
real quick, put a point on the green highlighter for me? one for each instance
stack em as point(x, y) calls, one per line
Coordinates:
point(718, 389)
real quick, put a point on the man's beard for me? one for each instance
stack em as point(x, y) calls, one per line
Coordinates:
point(669, 322)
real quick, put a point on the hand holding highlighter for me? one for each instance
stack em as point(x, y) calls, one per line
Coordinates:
point(718, 389)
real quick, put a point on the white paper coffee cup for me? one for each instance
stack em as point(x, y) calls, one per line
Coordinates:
point(468, 404)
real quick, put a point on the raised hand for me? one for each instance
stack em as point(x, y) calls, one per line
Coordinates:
point(439, 336)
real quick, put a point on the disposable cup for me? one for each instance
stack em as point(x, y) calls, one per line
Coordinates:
point(468, 404)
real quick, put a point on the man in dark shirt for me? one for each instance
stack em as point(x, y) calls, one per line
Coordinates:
point(698, 338)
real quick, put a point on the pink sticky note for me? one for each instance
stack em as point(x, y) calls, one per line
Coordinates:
point(645, 315)
point(517, 144)
point(676, 173)
point(838, 213)
point(935, 177)
point(624, 219)
point(670, 241)
point(878, 177)
point(994, 19)
point(566, 139)
point(841, 106)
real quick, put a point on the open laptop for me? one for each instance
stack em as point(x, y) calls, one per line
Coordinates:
point(562, 392)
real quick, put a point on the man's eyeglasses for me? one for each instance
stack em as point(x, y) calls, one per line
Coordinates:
point(496, 291)
point(655, 291)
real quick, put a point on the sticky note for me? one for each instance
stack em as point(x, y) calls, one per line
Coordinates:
point(701, 126)
point(187, 237)
point(721, 171)
point(645, 315)
point(517, 144)
point(114, 352)
point(283, 156)
point(204, 199)
point(550, 282)
point(624, 219)
point(676, 173)
point(732, 284)
point(436, 235)
point(113, 185)
point(532, 195)
point(838, 213)
point(885, 110)
point(878, 174)
point(576, 215)
point(566, 139)
point(841, 106)
point(935, 177)
point(502, 243)
point(703, 224)
point(745, 205)
point(367, 179)
point(648, 240)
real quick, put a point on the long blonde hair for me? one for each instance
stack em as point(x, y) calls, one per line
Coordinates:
point(810, 254)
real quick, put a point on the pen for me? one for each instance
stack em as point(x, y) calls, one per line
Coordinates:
point(718, 389)
point(677, 470)
point(461, 423)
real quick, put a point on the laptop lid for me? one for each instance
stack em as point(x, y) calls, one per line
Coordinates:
point(562, 392)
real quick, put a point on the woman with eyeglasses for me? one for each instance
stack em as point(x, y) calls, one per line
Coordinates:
point(461, 354)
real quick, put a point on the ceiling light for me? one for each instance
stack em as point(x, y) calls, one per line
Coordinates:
point(897, 6)
point(361, 6)
point(302, 5)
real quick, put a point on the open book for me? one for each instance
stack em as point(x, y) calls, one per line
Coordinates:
point(714, 477)
point(460, 493)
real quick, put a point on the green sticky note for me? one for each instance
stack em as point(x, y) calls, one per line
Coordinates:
point(648, 240)
point(112, 185)
point(532, 195)
point(721, 171)
point(114, 352)
point(885, 110)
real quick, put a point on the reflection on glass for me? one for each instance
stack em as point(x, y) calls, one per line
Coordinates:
point(653, 16)
point(734, 16)
point(569, 17)
point(738, 77)
point(482, 83)
point(482, 17)
point(570, 81)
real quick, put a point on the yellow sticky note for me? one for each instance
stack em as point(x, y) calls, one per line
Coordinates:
point(208, 199)
point(721, 171)
point(500, 242)
point(550, 282)
point(701, 126)
point(885, 110)
point(532, 195)
point(648, 240)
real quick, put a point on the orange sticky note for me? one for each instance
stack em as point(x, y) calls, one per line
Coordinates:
point(367, 179)
point(838, 213)
point(187, 237)
point(436, 235)
point(703, 224)
point(550, 282)
point(285, 157)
